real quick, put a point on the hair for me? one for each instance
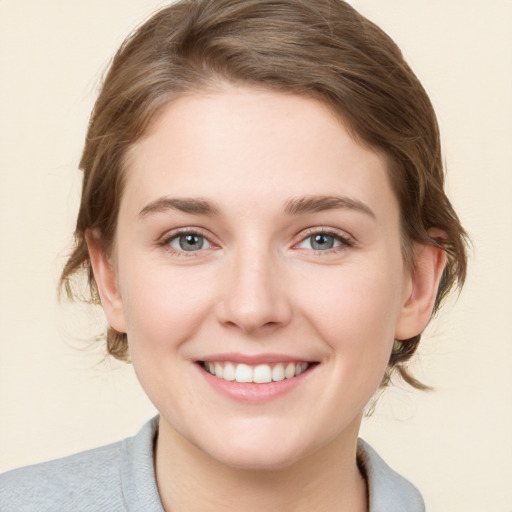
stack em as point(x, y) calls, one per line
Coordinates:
point(322, 49)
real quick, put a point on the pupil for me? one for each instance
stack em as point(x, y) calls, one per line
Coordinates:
point(322, 242)
point(191, 242)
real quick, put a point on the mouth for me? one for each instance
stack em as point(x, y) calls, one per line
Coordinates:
point(256, 374)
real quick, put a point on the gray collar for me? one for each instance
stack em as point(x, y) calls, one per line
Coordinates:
point(387, 490)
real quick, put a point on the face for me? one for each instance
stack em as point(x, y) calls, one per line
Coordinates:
point(257, 242)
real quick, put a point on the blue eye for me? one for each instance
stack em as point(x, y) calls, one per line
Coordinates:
point(323, 242)
point(189, 242)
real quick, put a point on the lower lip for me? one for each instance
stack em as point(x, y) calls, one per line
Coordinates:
point(250, 392)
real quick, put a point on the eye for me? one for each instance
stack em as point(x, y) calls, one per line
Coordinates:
point(188, 242)
point(323, 241)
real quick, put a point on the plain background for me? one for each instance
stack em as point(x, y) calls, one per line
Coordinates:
point(57, 396)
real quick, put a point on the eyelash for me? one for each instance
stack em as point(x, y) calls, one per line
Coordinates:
point(176, 235)
point(344, 242)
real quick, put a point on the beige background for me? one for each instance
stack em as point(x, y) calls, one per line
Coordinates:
point(57, 398)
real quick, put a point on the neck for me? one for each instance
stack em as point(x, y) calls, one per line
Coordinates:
point(191, 481)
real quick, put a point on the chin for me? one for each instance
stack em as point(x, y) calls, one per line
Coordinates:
point(252, 459)
point(259, 450)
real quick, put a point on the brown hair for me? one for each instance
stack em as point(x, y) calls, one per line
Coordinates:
point(318, 48)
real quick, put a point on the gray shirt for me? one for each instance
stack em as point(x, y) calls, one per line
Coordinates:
point(120, 477)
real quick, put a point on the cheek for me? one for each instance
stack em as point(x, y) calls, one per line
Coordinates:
point(356, 318)
point(163, 306)
point(356, 313)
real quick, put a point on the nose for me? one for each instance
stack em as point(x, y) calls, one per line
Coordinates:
point(255, 298)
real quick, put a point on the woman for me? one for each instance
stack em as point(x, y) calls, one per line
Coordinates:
point(263, 219)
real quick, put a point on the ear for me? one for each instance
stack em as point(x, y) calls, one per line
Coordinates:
point(105, 276)
point(421, 289)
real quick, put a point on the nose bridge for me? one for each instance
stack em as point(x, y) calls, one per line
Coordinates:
point(255, 296)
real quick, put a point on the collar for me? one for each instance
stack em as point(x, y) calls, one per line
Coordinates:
point(387, 490)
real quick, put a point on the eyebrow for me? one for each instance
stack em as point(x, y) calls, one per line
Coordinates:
point(313, 204)
point(186, 205)
point(297, 206)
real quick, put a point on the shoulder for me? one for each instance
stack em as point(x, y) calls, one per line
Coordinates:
point(61, 483)
point(387, 490)
point(98, 479)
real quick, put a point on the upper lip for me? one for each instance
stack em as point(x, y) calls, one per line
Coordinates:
point(254, 359)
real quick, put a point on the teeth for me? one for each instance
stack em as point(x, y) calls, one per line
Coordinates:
point(229, 372)
point(278, 372)
point(260, 374)
point(289, 372)
point(243, 373)
point(300, 368)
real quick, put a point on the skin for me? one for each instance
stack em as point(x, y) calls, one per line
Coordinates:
point(258, 286)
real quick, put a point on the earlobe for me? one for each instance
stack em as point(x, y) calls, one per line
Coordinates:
point(429, 264)
point(105, 276)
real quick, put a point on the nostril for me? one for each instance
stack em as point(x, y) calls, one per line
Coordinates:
point(253, 298)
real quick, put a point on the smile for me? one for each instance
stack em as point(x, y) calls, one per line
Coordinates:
point(258, 374)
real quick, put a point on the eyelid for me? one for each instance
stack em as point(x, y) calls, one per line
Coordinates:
point(165, 240)
point(346, 239)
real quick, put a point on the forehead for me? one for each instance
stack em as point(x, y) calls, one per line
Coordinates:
point(241, 144)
